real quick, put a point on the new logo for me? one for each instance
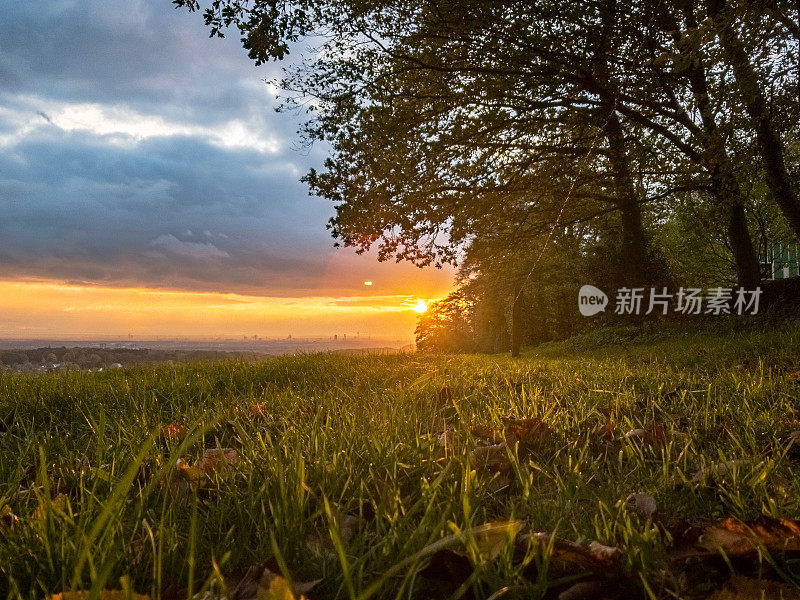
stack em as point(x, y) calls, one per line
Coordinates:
point(591, 300)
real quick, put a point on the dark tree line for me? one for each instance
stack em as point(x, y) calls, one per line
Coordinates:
point(540, 145)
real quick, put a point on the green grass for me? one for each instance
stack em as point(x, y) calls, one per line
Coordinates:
point(82, 463)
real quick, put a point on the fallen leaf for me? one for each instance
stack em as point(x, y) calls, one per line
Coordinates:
point(531, 434)
point(218, 460)
point(8, 520)
point(720, 470)
point(174, 431)
point(655, 435)
point(448, 440)
point(321, 544)
point(486, 433)
point(445, 573)
point(489, 456)
point(584, 590)
point(187, 472)
point(186, 477)
point(494, 537)
point(609, 410)
point(258, 411)
point(306, 412)
point(737, 538)
point(445, 397)
point(650, 436)
point(101, 595)
point(793, 376)
point(57, 504)
point(492, 466)
point(261, 582)
point(744, 588)
point(347, 524)
point(275, 587)
point(607, 431)
point(568, 558)
point(644, 505)
point(604, 553)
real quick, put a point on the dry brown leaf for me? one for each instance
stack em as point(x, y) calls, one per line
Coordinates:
point(257, 410)
point(219, 461)
point(489, 456)
point(262, 582)
point(8, 520)
point(495, 536)
point(593, 573)
point(720, 470)
point(568, 558)
point(58, 503)
point(531, 434)
point(584, 590)
point(174, 432)
point(275, 587)
point(650, 436)
point(322, 545)
point(793, 376)
point(744, 588)
point(486, 433)
point(492, 466)
point(446, 573)
point(609, 410)
point(736, 538)
point(607, 431)
point(604, 553)
point(644, 505)
point(448, 440)
point(305, 412)
point(655, 435)
point(101, 595)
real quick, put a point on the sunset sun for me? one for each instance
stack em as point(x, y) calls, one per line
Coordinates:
point(421, 306)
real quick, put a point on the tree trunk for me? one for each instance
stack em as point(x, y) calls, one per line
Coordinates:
point(634, 255)
point(766, 134)
point(516, 322)
point(748, 268)
point(724, 183)
point(634, 238)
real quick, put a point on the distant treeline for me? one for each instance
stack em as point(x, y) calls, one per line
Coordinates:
point(88, 358)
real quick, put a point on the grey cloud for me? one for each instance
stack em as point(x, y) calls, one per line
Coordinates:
point(81, 205)
point(194, 250)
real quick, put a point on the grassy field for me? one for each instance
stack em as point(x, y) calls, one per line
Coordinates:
point(360, 470)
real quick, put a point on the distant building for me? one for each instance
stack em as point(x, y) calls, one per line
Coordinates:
point(782, 261)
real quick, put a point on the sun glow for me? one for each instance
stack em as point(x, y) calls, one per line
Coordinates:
point(52, 310)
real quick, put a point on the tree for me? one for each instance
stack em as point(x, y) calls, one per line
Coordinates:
point(724, 16)
point(480, 132)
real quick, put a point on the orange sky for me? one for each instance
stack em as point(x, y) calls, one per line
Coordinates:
point(55, 310)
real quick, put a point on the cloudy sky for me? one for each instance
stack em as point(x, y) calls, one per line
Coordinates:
point(147, 186)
